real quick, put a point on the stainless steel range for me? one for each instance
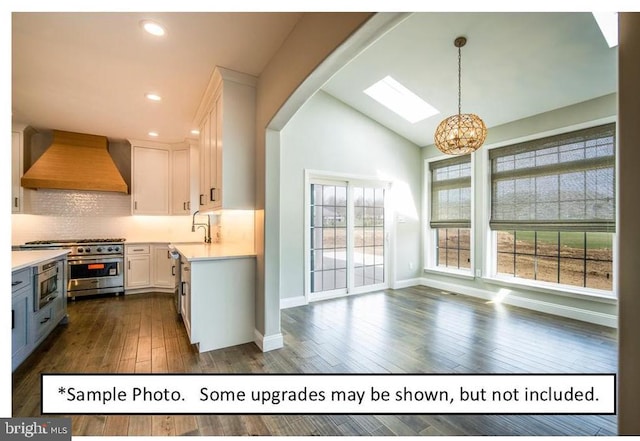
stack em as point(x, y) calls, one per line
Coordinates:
point(94, 266)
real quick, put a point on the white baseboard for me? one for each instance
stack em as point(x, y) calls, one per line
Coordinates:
point(292, 302)
point(584, 315)
point(398, 284)
point(268, 343)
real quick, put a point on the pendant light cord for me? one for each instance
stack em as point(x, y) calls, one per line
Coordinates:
point(459, 82)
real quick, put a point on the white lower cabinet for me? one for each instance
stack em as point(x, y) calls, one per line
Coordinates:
point(163, 267)
point(185, 291)
point(148, 267)
point(221, 299)
point(138, 266)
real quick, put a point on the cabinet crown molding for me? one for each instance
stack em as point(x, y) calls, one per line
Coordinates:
point(220, 74)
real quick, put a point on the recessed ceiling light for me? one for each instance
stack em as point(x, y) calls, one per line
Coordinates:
point(153, 97)
point(608, 24)
point(401, 100)
point(195, 132)
point(153, 28)
point(154, 134)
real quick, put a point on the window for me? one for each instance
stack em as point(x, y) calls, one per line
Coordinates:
point(553, 208)
point(451, 212)
point(453, 248)
point(583, 259)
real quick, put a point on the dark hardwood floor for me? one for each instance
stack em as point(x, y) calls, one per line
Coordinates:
point(411, 330)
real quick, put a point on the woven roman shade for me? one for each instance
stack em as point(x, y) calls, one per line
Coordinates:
point(559, 183)
point(451, 192)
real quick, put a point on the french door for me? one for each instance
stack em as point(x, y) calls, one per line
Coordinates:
point(346, 243)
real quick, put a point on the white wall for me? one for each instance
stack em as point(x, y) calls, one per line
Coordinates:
point(301, 60)
point(327, 135)
point(64, 214)
point(589, 113)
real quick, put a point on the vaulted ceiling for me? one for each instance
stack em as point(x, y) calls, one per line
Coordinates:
point(89, 72)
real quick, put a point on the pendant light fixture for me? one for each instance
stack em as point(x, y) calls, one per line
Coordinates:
point(462, 133)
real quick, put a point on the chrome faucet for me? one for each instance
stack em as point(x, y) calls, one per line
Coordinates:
point(207, 227)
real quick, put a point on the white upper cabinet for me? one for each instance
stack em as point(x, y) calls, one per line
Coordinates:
point(161, 178)
point(20, 136)
point(16, 171)
point(150, 183)
point(227, 142)
point(180, 190)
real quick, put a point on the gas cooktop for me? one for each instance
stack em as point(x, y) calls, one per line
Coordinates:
point(74, 241)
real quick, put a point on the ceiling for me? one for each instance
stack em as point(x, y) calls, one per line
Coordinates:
point(514, 65)
point(88, 72)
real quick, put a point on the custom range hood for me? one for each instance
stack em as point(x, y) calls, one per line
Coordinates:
point(75, 161)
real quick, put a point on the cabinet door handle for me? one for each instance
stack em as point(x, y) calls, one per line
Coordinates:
point(173, 270)
point(13, 318)
point(183, 288)
point(16, 283)
point(15, 204)
point(138, 249)
point(201, 196)
point(189, 205)
point(184, 206)
point(135, 205)
point(212, 193)
point(128, 264)
point(42, 322)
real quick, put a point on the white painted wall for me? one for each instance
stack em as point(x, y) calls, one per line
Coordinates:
point(590, 113)
point(64, 214)
point(301, 60)
point(327, 135)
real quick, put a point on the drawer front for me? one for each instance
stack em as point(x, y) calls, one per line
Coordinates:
point(44, 320)
point(136, 249)
point(20, 279)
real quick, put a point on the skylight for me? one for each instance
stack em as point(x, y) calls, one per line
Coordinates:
point(401, 100)
point(608, 23)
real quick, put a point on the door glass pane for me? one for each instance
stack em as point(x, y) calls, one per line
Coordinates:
point(369, 234)
point(328, 237)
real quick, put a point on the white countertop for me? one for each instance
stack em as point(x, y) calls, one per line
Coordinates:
point(27, 258)
point(214, 251)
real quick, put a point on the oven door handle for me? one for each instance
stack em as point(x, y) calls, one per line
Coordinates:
point(83, 260)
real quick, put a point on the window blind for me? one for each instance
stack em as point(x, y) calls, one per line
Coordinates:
point(559, 183)
point(451, 192)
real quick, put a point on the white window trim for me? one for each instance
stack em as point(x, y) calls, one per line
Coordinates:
point(429, 244)
point(552, 288)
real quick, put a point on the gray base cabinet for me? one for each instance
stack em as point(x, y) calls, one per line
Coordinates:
point(21, 311)
point(29, 328)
